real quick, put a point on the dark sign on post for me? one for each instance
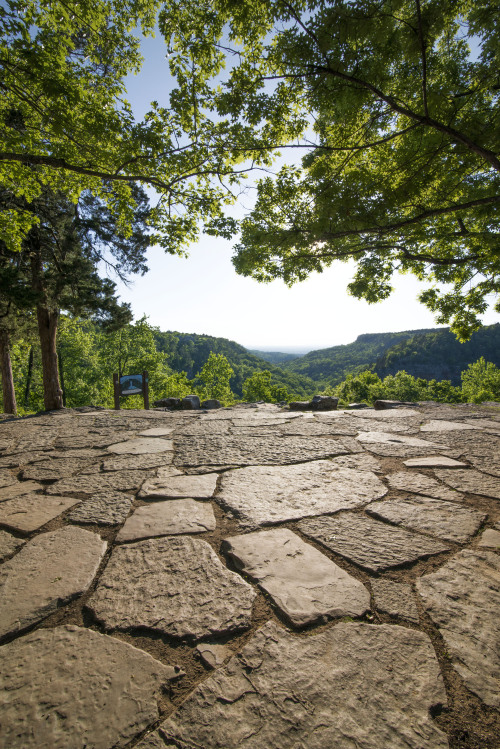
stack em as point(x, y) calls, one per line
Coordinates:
point(134, 384)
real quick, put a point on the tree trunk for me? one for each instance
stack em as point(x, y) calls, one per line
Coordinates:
point(47, 330)
point(29, 378)
point(8, 392)
point(61, 375)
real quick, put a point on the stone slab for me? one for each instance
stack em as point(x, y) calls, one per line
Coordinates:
point(213, 656)
point(471, 481)
point(176, 586)
point(72, 687)
point(491, 538)
point(168, 519)
point(419, 483)
point(169, 487)
point(50, 570)
point(156, 432)
point(32, 511)
point(154, 741)
point(353, 685)
point(263, 495)
point(18, 489)
point(397, 413)
point(370, 544)
point(106, 508)
point(445, 520)
point(243, 450)
point(7, 478)
point(8, 544)
point(305, 585)
point(434, 461)
point(115, 481)
point(486, 464)
point(397, 445)
point(441, 425)
point(395, 599)
point(360, 461)
point(137, 462)
point(142, 445)
point(56, 468)
point(463, 600)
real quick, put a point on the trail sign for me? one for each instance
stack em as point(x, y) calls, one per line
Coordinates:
point(133, 384)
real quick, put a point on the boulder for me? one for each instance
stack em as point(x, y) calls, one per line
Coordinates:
point(300, 406)
point(324, 403)
point(382, 405)
point(357, 405)
point(168, 403)
point(190, 403)
point(211, 403)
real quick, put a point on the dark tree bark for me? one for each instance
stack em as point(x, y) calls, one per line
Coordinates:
point(47, 330)
point(29, 378)
point(8, 392)
point(61, 376)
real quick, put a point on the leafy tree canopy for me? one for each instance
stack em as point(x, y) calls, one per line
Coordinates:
point(397, 104)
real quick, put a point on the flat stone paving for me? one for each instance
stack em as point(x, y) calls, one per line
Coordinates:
point(345, 590)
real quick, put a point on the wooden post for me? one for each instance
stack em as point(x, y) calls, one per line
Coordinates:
point(116, 390)
point(145, 390)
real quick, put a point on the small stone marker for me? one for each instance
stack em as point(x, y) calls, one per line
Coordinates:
point(395, 599)
point(352, 685)
point(174, 585)
point(8, 544)
point(419, 483)
point(167, 519)
point(29, 512)
point(263, 495)
point(73, 687)
point(46, 573)
point(445, 520)
point(305, 585)
point(472, 481)
point(213, 656)
point(106, 508)
point(142, 445)
point(433, 461)
point(490, 538)
point(368, 543)
point(463, 599)
point(170, 487)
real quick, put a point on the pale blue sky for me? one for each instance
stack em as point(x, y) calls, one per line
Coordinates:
point(203, 294)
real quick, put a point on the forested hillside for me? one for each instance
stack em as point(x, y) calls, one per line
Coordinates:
point(332, 365)
point(188, 352)
point(275, 357)
point(437, 354)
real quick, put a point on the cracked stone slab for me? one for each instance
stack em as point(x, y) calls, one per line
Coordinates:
point(95, 483)
point(156, 432)
point(396, 413)
point(370, 544)
point(491, 538)
point(471, 481)
point(242, 450)
point(395, 599)
point(264, 495)
point(8, 544)
point(19, 488)
point(31, 511)
point(137, 462)
point(433, 461)
point(169, 487)
point(397, 445)
point(305, 585)
point(445, 520)
point(105, 508)
point(56, 468)
point(440, 425)
point(50, 570)
point(360, 461)
point(213, 656)
point(486, 464)
point(78, 439)
point(319, 427)
point(176, 586)
point(7, 478)
point(419, 483)
point(102, 693)
point(463, 600)
point(168, 519)
point(352, 685)
point(142, 445)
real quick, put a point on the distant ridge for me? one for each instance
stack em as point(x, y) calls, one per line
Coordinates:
point(275, 357)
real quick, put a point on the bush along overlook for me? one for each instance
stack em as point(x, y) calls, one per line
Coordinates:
point(181, 364)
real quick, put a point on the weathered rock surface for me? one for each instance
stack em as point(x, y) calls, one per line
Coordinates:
point(46, 573)
point(18, 489)
point(434, 461)
point(173, 585)
point(30, 511)
point(170, 487)
point(113, 481)
point(213, 656)
point(156, 432)
point(382, 405)
point(324, 403)
point(168, 519)
point(240, 450)
point(105, 508)
point(305, 585)
point(463, 599)
point(56, 468)
point(211, 404)
point(471, 481)
point(491, 538)
point(142, 446)
point(440, 425)
point(266, 495)
point(395, 599)
point(419, 483)
point(368, 543)
point(137, 462)
point(446, 520)
point(397, 445)
point(352, 685)
point(72, 687)
point(8, 544)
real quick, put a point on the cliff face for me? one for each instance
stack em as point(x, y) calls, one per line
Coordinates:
point(438, 355)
